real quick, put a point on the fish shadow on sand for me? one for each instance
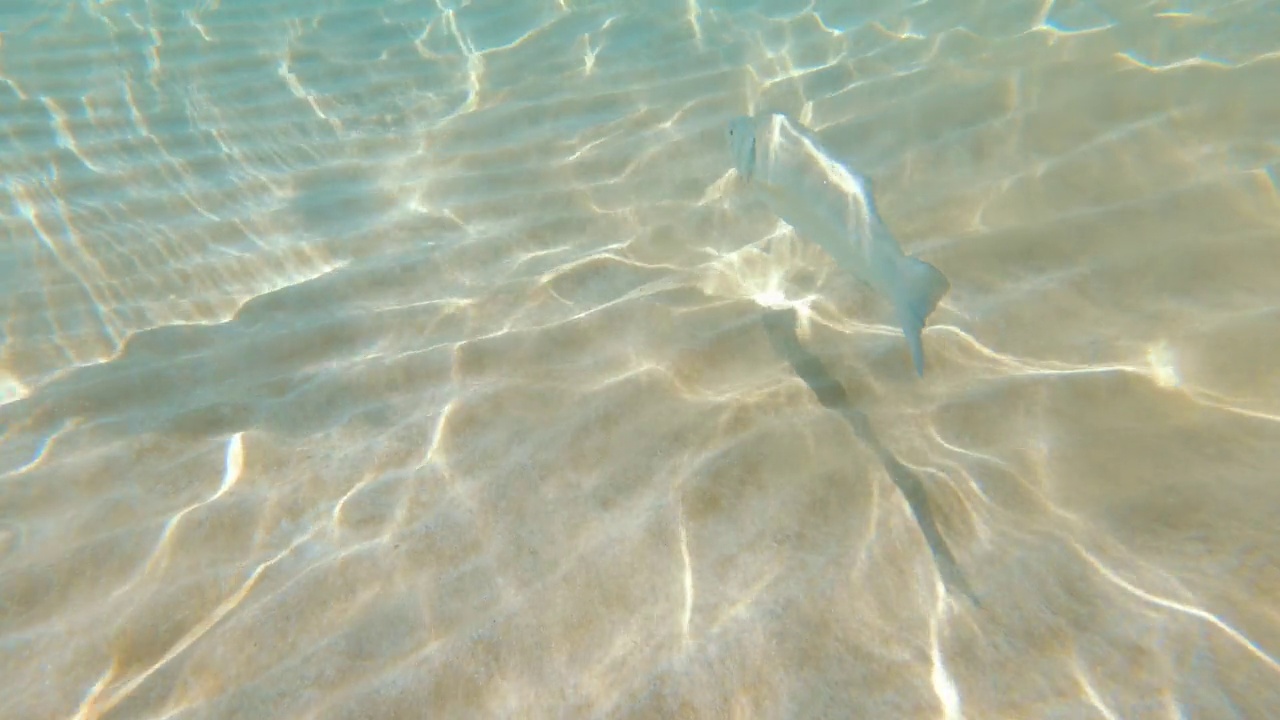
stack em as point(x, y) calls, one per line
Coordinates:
point(780, 326)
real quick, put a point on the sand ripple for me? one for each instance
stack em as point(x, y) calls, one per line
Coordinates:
point(422, 360)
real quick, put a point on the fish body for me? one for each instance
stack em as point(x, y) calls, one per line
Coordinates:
point(827, 203)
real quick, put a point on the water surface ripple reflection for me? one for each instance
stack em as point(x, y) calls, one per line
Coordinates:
point(425, 359)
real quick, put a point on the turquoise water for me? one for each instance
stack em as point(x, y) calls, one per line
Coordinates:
point(429, 359)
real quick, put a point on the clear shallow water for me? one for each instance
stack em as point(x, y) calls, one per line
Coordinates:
point(423, 360)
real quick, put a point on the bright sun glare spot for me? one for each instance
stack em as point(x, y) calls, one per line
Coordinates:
point(11, 389)
point(1163, 368)
point(772, 298)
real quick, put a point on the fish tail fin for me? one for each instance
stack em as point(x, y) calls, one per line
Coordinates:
point(920, 288)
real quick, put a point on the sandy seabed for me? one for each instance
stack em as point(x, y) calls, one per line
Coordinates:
point(424, 360)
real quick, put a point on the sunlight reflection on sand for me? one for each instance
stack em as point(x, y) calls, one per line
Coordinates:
point(427, 360)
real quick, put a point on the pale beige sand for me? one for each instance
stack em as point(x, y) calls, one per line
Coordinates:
point(425, 362)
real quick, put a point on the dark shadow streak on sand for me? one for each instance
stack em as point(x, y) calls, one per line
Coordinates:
point(781, 328)
point(257, 370)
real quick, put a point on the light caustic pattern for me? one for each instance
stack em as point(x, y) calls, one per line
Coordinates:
point(412, 359)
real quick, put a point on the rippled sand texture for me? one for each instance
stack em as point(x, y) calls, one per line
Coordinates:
point(411, 359)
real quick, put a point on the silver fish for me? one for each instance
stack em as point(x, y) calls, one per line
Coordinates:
point(833, 206)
